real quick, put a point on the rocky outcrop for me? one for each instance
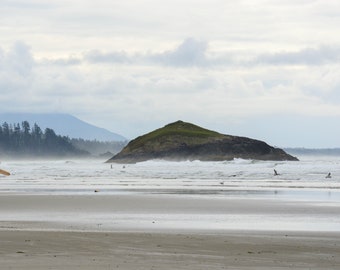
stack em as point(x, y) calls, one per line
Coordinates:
point(184, 141)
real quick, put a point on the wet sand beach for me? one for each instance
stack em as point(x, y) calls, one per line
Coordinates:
point(163, 232)
point(232, 250)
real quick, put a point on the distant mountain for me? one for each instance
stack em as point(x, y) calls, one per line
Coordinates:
point(63, 124)
point(185, 141)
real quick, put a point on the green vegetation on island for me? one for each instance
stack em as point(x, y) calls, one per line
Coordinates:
point(187, 132)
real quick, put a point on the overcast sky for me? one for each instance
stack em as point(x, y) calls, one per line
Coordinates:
point(267, 69)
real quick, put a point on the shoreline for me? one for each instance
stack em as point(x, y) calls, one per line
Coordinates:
point(147, 231)
point(163, 213)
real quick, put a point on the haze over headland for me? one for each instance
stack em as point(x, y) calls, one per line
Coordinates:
point(262, 69)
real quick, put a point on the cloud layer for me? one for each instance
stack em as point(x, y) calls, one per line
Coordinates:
point(149, 89)
point(132, 67)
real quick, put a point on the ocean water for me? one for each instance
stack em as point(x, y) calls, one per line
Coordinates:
point(238, 177)
point(160, 195)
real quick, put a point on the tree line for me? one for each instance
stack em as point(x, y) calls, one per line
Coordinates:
point(98, 148)
point(26, 140)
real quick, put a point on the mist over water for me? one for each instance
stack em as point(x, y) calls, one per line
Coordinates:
point(237, 194)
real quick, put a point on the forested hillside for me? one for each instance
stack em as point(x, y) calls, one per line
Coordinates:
point(22, 139)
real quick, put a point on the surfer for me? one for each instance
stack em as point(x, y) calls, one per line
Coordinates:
point(329, 175)
point(275, 172)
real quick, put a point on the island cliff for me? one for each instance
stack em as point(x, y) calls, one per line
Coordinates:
point(184, 141)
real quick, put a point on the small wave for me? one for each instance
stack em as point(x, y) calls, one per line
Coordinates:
point(242, 161)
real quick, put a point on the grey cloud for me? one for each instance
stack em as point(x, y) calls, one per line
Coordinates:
point(190, 53)
point(308, 56)
point(194, 53)
point(70, 61)
point(111, 57)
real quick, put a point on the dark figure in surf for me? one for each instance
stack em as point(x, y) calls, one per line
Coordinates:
point(329, 175)
point(275, 172)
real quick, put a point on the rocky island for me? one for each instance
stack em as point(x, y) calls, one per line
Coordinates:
point(185, 141)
